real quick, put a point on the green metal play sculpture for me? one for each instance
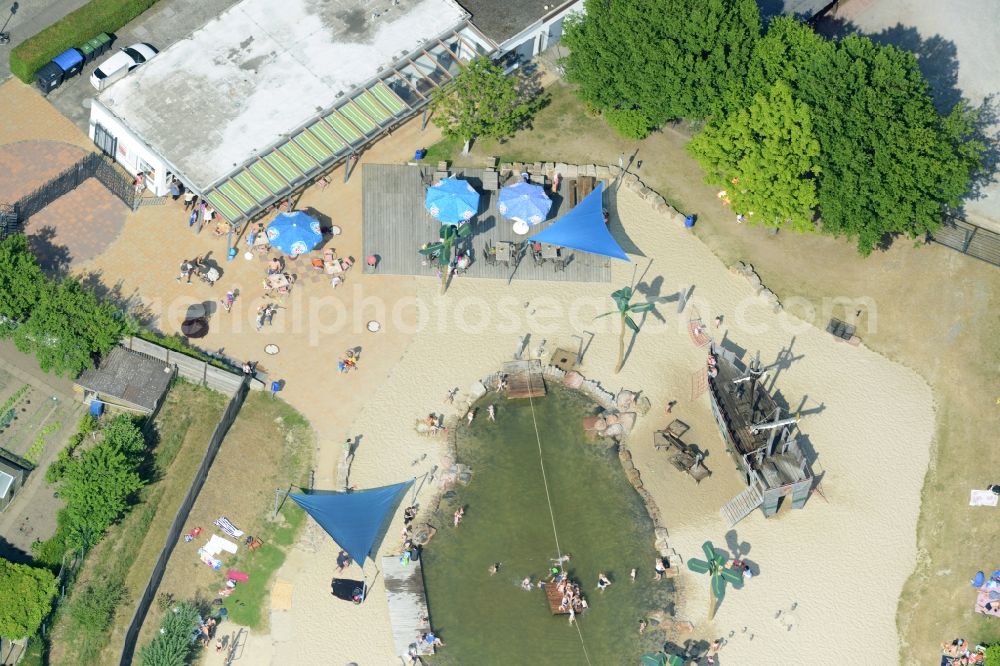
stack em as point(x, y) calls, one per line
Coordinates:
point(714, 564)
point(442, 248)
point(622, 299)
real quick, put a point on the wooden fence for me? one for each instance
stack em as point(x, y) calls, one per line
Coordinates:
point(192, 369)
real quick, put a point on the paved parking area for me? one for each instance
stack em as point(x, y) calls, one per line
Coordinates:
point(166, 23)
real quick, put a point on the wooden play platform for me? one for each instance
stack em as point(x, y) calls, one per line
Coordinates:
point(524, 379)
point(408, 616)
point(554, 597)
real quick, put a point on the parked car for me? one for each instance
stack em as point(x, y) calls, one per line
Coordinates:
point(121, 64)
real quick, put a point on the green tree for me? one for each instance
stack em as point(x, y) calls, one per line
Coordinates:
point(992, 656)
point(645, 62)
point(889, 163)
point(483, 102)
point(714, 565)
point(21, 281)
point(26, 596)
point(625, 308)
point(68, 326)
point(765, 156)
point(173, 645)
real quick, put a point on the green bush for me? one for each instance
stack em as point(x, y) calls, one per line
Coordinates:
point(173, 645)
point(177, 343)
point(992, 656)
point(94, 608)
point(74, 29)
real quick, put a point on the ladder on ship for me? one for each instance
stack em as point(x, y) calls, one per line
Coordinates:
point(742, 505)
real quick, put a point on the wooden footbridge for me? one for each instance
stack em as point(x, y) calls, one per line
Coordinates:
point(408, 616)
point(524, 379)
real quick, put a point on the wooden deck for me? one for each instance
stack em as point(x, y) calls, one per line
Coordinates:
point(408, 616)
point(396, 225)
point(554, 597)
point(524, 379)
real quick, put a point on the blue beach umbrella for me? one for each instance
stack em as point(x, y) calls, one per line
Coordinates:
point(294, 233)
point(524, 201)
point(452, 201)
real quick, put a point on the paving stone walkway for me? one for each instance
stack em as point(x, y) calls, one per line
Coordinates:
point(26, 165)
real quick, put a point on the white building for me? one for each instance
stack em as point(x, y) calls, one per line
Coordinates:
point(257, 103)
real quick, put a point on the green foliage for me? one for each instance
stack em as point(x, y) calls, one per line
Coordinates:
point(67, 326)
point(94, 607)
point(34, 453)
point(98, 485)
point(178, 343)
point(57, 468)
point(74, 29)
point(60, 322)
point(765, 156)
point(645, 62)
point(172, 646)
point(21, 282)
point(992, 656)
point(889, 163)
point(26, 596)
point(483, 102)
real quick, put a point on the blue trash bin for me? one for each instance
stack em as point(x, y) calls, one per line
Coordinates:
point(689, 221)
point(420, 154)
point(96, 408)
point(70, 62)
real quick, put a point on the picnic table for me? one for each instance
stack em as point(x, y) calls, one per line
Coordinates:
point(504, 251)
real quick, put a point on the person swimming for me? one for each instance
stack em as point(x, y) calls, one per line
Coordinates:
point(494, 568)
point(491, 413)
point(603, 582)
point(526, 584)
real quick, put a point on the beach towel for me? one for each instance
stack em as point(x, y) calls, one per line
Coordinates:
point(227, 527)
point(208, 559)
point(983, 498)
point(218, 544)
point(982, 599)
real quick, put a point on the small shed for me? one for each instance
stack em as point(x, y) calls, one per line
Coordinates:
point(13, 471)
point(127, 380)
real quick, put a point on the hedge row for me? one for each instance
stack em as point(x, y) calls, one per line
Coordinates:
point(74, 29)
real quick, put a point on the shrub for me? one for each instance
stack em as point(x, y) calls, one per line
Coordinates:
point(992, 656)
point(95, 606)
point(173, 645)
point(74, 29)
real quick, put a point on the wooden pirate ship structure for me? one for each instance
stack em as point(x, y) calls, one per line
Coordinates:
point(762, 443)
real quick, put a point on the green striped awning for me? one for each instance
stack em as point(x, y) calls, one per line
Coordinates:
point(267, 177)
point(389, 99)
point(358, 117)
point(252, 187)
point(283, 166)
point(237, 196)
point(344, 128)
point(328, 136)
point(313, 146)
point(371, 106)
point(298, 157)
point(223, 207)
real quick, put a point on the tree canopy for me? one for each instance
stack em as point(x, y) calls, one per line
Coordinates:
point(26, 596)
point(889, 163)
point(173, 645)
point(765, 156)
point(483, 102)
point(59, 321)
point(645, 62)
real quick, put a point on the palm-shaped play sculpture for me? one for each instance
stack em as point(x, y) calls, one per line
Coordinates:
point(623, 301)
point(714, 564)
point(442, 248)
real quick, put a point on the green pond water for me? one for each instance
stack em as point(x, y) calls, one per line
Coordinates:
point(600, 521)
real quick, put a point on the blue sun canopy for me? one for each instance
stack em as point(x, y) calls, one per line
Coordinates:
point(356, 520)
point(583, 229)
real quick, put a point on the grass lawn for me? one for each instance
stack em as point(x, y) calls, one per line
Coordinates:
point(269, 446)
point(934, 311)
point(127, 553)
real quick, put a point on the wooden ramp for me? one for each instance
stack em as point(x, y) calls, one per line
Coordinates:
point(408, 616)
point(524, 379)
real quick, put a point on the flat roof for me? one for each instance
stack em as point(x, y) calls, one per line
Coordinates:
point(246, 79)
point(6, 481)
point(502, 20)
point(129, 376)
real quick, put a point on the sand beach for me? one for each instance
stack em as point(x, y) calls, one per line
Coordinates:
point(833, 569)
